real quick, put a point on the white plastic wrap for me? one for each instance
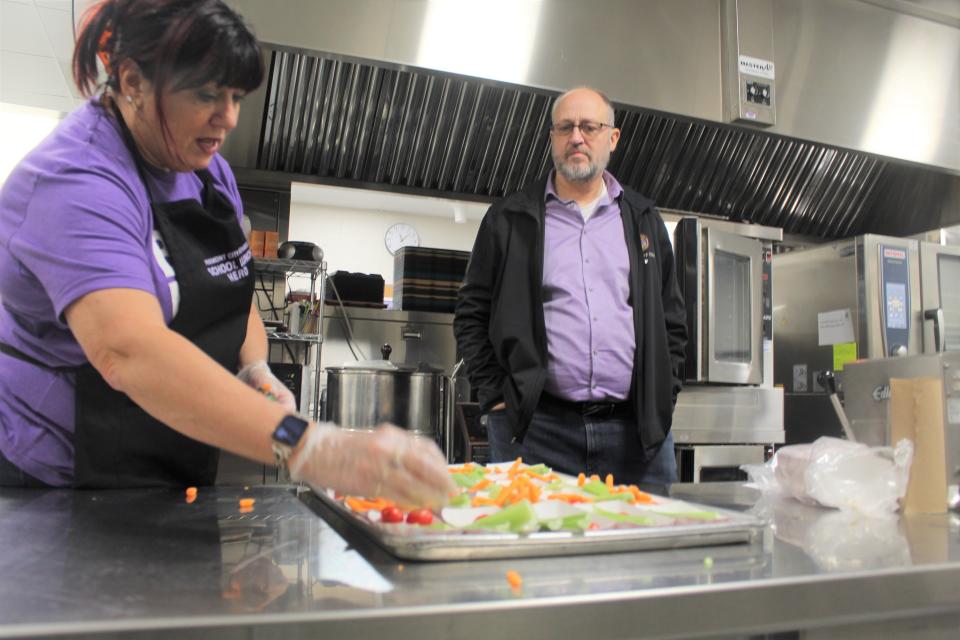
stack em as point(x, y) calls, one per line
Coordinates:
point(837, 473)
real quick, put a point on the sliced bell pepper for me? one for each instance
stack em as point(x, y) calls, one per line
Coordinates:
point(578, 522)
point(596, 487)
point(460, 500)
point(515, 518)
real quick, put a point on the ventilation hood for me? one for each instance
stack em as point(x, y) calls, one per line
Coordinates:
point(357, 123)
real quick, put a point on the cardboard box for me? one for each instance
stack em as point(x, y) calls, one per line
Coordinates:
point(257, 239)
point(271, 240)
point(916, 413)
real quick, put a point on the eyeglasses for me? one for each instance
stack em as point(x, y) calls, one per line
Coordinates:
point(587, 129)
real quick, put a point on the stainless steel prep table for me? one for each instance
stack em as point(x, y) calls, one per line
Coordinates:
point(136, 564)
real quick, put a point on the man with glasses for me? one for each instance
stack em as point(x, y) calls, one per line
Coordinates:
point(570, 319)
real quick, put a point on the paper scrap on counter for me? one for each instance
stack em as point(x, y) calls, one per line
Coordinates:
point(834, 327)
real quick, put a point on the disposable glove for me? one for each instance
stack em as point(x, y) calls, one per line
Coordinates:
point(259, 376)
point(386, 463)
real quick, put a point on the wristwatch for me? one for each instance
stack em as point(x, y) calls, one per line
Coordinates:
point(285, 439)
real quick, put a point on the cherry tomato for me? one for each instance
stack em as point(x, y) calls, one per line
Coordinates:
point(420, 516)
point(391, 514)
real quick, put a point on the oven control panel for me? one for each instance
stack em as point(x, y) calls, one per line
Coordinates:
point(895, 294)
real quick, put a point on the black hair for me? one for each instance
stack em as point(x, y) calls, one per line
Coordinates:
point(177, 44)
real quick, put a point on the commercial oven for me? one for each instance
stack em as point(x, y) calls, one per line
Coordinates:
point(865, 297)
point(729, 412)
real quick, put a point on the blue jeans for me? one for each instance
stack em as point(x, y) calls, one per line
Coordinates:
point(570, 443)
point(12, 476)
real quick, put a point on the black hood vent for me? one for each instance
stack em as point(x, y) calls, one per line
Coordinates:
point(375, 125)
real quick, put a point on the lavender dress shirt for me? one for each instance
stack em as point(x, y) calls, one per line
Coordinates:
point(586, 291)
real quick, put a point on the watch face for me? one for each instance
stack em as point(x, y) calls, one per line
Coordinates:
point(290, 430)
point(401, 235)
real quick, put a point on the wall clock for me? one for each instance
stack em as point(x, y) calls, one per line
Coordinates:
point(401, 235)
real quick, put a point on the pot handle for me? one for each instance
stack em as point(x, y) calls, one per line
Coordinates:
point(450, 400)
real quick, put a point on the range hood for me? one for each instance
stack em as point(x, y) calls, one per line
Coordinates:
point(331, 119)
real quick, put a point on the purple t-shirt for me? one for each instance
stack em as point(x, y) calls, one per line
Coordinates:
point(74, 218)
point(591, 338)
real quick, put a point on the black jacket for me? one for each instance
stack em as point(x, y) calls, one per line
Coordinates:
point(499, 323)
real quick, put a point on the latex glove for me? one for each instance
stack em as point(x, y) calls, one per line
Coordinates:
point(259, 376)
point(386, 463)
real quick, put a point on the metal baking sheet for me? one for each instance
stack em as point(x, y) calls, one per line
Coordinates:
point(737, 528)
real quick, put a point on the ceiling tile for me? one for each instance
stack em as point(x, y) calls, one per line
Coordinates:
point(58, 27)
point(59, 5)
point(21, 30)
point(66, 69)
point(41, 75)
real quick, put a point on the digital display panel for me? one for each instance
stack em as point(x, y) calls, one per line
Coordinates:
point(896, 305)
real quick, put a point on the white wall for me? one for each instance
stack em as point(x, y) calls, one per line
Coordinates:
point(352, 239)
point(21, 129)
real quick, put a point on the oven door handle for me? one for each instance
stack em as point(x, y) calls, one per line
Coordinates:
point(939, 338)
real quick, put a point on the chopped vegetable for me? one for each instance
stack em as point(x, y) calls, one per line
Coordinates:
point(391, 514)
point(570, 498)
point(247, 503)
point(624, 517)
point(191, 492)
point(465, 480)
point(460, 500)
point(577, 522)
point(595, 487)
point(515, 518)
point(420, 516)
point(514, 579)
point(361, 505)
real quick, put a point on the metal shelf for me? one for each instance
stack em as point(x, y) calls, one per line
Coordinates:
point(317, 272)
point(280, 266)
point(311, 338)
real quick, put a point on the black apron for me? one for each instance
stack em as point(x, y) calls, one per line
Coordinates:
point(117, 444)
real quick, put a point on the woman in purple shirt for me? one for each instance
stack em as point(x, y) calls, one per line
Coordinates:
point(126, 284)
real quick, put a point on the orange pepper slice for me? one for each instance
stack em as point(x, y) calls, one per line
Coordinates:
point(483, 484)
point(640, 496)
point(581, 479)
point(514, 579)
point(570, 498)
point(609, 481)
point(247, 503)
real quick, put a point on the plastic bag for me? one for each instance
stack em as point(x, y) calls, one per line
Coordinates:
point(835, 540)
point(838, 473)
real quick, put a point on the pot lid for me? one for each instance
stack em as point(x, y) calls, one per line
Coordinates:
point(386, 365)
point(376, 365)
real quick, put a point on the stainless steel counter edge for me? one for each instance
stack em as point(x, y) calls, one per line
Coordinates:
point(148, 565)
point(768, 606)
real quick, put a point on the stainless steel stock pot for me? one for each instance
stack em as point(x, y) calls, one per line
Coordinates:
point(365, 395)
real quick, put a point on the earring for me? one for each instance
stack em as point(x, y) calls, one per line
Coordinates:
point(129, 99)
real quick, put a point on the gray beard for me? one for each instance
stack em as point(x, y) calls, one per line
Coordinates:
point(579, 172)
